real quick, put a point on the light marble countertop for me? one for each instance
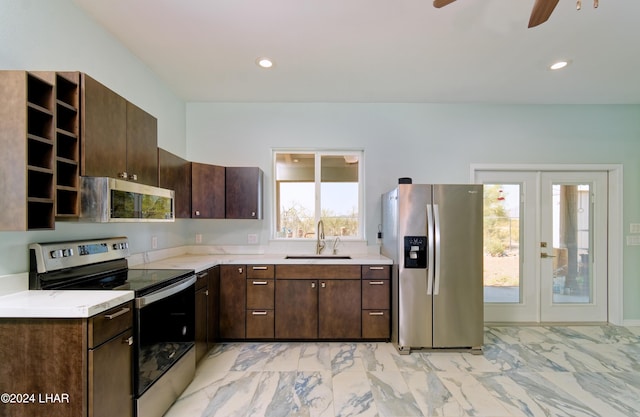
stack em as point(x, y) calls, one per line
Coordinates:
point(16, 301)
point(60, 304)
point(200, 262)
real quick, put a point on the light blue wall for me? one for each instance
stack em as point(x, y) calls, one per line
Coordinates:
point(429, 142)
point(434, 143)
point(55, 35)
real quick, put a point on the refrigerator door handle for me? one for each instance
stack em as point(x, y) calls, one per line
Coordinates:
point(436, 215)
point(430, 245)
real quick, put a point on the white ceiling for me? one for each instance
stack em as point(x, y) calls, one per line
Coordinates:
point(471, 51)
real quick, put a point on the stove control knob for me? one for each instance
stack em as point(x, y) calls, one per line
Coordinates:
point(55, 254)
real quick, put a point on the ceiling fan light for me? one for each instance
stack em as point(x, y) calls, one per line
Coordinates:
point(558, 65)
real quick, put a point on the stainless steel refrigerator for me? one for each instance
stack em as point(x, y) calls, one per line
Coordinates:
point(433, 233)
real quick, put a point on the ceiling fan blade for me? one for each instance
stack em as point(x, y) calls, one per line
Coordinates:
point(542, 9)
point(441, 3)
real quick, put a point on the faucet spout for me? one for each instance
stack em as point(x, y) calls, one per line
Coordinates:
point(320, 243)
point(335, 245)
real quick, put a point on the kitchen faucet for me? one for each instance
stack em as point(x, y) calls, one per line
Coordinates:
point(335, 245)
point(320, 243)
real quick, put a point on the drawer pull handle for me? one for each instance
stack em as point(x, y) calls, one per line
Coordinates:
point(128, 340)
point(259, 313)
point(260, 268)
point(122, 311)
point(376, 268)
point(260, 282)
point(376, 282)
point(376, 313)
point(203, 274)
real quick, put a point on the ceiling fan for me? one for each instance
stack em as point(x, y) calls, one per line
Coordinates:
point(542, 9)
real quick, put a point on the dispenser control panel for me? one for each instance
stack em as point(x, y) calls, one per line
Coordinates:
point(415, 252)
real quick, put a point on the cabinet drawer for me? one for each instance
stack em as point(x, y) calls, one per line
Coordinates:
point(260, 293)
point(376, 293)
point(375, 324)
point(260, 324)
point(203, 279)
point(260, 271)
point(108, 324)
point(376, 271)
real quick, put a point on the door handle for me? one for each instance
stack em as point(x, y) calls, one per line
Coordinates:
point(546, 255)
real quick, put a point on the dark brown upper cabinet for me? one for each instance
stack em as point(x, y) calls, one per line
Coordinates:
point(119, 139)
point(27, 160)
point(243, 187)
point(207, 191)
point(174, 173)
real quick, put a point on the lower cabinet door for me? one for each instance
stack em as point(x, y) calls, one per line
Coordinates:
point(201, 322)
point(111, 378)
point(296, 309)
point(339, 309)
point(260, 324)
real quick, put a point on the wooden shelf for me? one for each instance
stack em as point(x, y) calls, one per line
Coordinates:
point(67, 144)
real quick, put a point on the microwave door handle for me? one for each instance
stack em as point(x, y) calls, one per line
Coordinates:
point(436, 217)
point(165, 292)
point(430, 245)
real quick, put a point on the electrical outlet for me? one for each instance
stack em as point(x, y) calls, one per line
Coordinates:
point(154, 242)
point(634, 228)
point(198, 238)
point(252, 238)
point(633, 240)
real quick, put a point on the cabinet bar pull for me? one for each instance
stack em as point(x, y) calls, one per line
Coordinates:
point(128, 340)
point(259, 313)
point(202, 274)
point(122, 311)
point(259, 282)
point(376, 268)
point(376, 313)
point(260, 268)
point(376, 282)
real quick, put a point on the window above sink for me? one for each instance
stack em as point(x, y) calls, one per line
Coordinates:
point(313, 185)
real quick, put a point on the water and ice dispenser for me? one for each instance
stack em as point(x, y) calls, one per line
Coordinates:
point(415, 252)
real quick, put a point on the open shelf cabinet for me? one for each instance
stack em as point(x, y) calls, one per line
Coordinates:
point(39, 137)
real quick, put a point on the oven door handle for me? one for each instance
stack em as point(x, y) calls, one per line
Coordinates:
point(165, 292)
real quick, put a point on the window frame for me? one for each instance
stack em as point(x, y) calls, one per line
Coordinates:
point(318, 154)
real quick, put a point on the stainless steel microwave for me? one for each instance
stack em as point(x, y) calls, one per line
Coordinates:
point(105, 200)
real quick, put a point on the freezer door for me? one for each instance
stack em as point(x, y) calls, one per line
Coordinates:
point(414, 303)
point(458, 291)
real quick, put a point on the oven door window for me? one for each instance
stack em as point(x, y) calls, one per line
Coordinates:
point(166, 333)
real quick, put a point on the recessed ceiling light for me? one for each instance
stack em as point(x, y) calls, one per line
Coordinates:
point(558, 65)
point(264, 62)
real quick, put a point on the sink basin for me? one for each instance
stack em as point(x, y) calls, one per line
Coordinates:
point(317, 257)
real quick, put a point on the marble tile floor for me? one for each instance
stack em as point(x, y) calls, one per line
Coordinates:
point(570, 371)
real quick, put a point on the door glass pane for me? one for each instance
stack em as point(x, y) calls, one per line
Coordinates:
point(571, 243)
point(502, 226)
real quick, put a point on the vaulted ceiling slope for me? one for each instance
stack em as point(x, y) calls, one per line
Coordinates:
point(472, 51)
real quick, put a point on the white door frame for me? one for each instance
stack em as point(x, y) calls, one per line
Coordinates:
point(615, 227)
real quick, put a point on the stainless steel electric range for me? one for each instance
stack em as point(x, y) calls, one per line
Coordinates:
point(164, 315)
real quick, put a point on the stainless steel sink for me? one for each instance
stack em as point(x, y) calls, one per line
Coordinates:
point(317, 257)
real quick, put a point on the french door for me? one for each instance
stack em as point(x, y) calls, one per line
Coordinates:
point(545, 237)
